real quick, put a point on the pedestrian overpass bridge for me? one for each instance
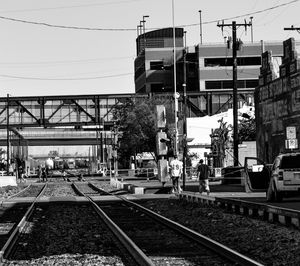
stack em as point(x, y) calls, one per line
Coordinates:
point(88, 119)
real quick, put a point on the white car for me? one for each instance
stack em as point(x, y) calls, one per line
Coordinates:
point(285, 177)
point(279, 180)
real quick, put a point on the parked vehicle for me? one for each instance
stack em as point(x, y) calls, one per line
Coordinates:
point(285, 177)
point(280, 180)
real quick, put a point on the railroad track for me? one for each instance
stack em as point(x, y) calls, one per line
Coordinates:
point(155, 240)
point(15, 219)
point(61, 231)
point(78, 236)
point(89, 189)
point(33, 190)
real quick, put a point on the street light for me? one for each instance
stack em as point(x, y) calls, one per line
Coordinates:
point(144, 22)
point(251, 18)
point(200, 11)
point(138, 43)
point(175, 82)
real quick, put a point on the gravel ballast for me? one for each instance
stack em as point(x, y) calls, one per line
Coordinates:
point(270, 244)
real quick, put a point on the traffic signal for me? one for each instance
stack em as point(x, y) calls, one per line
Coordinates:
point(161, 143)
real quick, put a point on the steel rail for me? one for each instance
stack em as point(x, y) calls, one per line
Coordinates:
point(7, 248)
point(23, 190)
point(213, 245)
point(140, 257)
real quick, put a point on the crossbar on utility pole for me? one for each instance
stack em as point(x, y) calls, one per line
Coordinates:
point(293, 28)
point(234, 26)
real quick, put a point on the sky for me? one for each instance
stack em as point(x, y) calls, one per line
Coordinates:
point(73, 47)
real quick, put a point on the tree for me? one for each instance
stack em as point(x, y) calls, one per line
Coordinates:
point(247, 129)
point(220, 141)
point(136, 121)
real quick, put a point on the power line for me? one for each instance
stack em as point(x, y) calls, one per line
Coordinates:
point(68, 7)
point(64, 79)
point(244, 15)
point(93, 60)
point(134, 29)
point(64, 27)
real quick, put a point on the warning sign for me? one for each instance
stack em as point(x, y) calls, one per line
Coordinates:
point(291, 143)
point(291, 132)
point(218, 172)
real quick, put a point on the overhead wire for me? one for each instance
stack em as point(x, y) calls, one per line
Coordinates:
point(65, 79)
point(67, 7)
point(60, 63)
point(117, 29)
point(134, 29)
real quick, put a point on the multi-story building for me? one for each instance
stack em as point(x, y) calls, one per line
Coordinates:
point(209, 80)
point(277, 104)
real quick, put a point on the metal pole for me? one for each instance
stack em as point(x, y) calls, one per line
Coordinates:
point(184, 115)
point(251, 18)
point(200, 11)
point(142, 25)
point(175, 82)
point(7, 135)
point(235, 107)
point(144, 30)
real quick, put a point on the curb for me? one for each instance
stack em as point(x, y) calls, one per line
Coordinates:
point(272, 214)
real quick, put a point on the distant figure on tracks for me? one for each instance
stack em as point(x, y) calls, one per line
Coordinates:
point(202, 175)
point(175, 173)
point(39, 173)
point(44, 174)
point(80, 178)
point(64, 174)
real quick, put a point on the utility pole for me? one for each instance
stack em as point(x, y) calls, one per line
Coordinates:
point(7, 136)
point(235, 47)
point(184, 115)
point(175, 84)
point(293, 28)
point(200, 11)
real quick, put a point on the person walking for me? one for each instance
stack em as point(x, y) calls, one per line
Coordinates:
point(44, 174)
point(39, 173)
point(175, 173)
point(202, 175)
point(64, 175)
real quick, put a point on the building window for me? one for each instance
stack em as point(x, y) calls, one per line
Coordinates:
point(228, 84)
point(213, 85)
point(157, 87)
point(241, 61)
point(252, 83)
point(156, 65)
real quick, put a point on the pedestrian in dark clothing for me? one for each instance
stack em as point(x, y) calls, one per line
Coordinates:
point(39, 173)
point(64, 175)
point(44, 174)
point(80, 178)
point(203, 174)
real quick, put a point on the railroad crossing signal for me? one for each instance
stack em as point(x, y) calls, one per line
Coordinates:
point(161, 143)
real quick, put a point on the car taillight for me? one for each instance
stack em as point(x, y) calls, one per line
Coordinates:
point(280, 176)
